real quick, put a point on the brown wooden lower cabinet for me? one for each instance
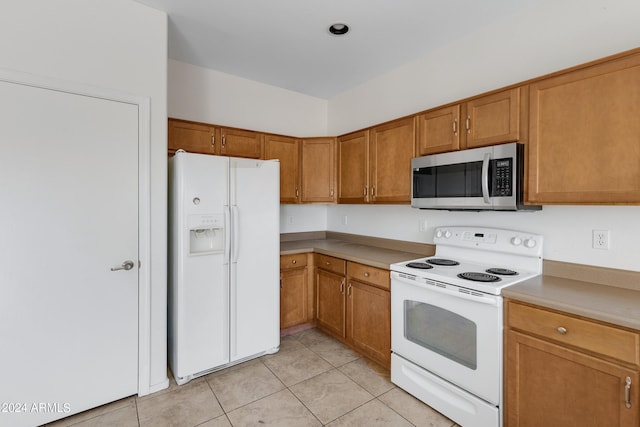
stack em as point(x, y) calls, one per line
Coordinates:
point(294, 291)
point(564, 380)
point(355, 306)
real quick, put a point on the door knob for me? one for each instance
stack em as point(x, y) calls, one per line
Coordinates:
point(126, 265)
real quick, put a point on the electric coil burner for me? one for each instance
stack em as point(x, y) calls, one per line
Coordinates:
point(443, 262)
point(479, 277)
point(502, 271)
point(420, 265)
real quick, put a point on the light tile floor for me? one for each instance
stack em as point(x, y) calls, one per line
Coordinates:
point(313, 380)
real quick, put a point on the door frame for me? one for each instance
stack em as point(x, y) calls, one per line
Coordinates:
point(144, 197)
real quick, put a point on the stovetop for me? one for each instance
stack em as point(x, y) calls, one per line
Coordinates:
point(478, 258)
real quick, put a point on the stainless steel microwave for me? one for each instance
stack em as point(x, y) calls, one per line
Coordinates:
point(486, 178)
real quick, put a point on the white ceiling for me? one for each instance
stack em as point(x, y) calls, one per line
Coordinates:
point(286, 43)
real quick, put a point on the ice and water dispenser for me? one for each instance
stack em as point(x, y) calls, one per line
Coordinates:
point(206, 234)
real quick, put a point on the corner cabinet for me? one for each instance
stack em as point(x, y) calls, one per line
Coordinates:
point(491, 119)
point(287, 150)
point(564, 370)
point(353, 167)
point(392, 146)
point(319, 170)
point(584, 135)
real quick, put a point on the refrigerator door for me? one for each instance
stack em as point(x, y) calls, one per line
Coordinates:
point(198, 299)
point(255, 250)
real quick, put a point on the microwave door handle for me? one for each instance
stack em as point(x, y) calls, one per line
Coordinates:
point(485, 178)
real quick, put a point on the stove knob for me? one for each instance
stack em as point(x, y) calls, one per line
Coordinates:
point(438, 233)
point(447, 234)
point(516, 241)
point(530, 243)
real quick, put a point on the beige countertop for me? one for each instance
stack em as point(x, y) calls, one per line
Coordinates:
point(603, 294)
point(374, 256)
point(616, 305)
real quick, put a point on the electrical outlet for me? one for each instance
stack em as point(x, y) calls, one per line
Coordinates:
point(600, 239)
point(422, 225)
point(290, 220)
point(344, 220)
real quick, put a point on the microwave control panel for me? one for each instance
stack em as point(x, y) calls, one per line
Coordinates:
point(502, 183)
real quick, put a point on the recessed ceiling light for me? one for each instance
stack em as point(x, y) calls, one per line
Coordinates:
point(339, 29)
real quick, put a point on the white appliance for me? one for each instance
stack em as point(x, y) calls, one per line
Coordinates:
point(446, 319)
point(224, 247)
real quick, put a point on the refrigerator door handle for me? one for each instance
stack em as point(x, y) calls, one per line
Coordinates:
point(227, 237)
point(236, 238)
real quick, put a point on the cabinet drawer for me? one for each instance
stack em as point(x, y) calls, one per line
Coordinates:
point(368, 274)
point(330, 263)
point(293, 261)
point(591, 336)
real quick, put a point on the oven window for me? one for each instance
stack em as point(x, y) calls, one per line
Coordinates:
point(441, 331)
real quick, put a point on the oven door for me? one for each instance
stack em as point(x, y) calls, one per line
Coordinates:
point(454, 335)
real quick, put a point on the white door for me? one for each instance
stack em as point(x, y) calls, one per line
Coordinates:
point(69, 213)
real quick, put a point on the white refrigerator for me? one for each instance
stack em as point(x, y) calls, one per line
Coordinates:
point(224, 270)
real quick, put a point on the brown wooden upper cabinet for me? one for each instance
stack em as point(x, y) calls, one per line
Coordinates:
point(240, 143)
point(319, 170)
point(191, 137)
point(209, 139)
point(353, 168)
point(392, 145)
point(488, 120)
point(584, 135)
point(287, 150)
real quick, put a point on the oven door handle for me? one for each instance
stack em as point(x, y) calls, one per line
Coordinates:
point(450, 290)
point(485, 178)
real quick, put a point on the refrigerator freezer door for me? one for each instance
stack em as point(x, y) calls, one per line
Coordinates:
point(255, 250)
point(198, 303)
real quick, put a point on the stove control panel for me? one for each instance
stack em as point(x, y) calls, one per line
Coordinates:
point(492, 239)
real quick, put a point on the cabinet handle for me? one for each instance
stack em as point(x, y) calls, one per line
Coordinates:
point(224, 140)
point(373, 191)
point(467, 124)
point(627, 392)
point(280, 283)
point(349, 289)
point(213, 140)
point(328, 263)
point(455, 126)
point(366, 274)
point(294, 262)
point(297, 193)
point(342, 287)
point(365, 192)
point(562, 330)
point(331, 193)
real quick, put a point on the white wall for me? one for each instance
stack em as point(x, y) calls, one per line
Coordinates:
point(301, 218)
point(209, 96)
point(567, 230)
point(549, 37)
point(118, 45)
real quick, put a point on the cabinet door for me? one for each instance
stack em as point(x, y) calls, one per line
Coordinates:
point(318, 169)
point(439, 131)
point(353, 168)
point(369, 321)
point(287, 150)
point(191, 137)
point(392, 147)
point(492, 119)
point(240, 143)
point(293, 297)
point(331, 304)
point(583, 135)
point(549, 385)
